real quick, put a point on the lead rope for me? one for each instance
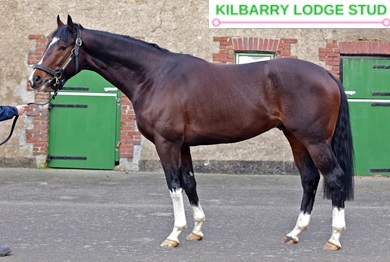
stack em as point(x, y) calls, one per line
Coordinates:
point(10, 133)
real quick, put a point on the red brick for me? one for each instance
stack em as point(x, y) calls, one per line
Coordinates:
point(255, 43)
point(235, 43)
point(261, 42)
point(289, 40)
point(275, 46)
point(240, 45)
point(250, 43)
point(265, 45)
point(219, 39)
point(123, 155)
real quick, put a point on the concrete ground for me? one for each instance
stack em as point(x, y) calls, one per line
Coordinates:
point(85, 215)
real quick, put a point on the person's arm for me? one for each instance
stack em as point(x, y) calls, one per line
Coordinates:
point(8, 112)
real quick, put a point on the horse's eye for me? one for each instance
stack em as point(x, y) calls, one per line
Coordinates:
point(62, 48)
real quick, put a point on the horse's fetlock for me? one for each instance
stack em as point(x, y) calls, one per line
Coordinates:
point(181, 227)
point(303, 228)
point(340, 229)
point(199, 218)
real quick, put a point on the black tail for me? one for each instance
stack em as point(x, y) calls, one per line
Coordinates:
point(342, 145)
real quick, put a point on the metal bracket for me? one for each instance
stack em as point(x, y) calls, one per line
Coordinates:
point(66, 158)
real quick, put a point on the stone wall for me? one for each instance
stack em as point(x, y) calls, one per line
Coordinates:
point(180, 26)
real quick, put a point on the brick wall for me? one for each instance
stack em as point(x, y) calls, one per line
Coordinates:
point(38, 135)
point(130, 136)
point(332, 52)
point(230, 45)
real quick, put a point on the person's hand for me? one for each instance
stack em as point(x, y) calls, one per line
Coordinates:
point(21, 109)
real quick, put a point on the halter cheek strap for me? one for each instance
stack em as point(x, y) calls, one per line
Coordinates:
point(57, 73)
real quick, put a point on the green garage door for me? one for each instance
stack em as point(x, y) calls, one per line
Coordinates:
point(84, 124)
point(367, 84)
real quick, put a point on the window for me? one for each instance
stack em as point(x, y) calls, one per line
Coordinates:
point(244, 58)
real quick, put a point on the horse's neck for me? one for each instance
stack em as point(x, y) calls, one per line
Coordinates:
point(125, 63)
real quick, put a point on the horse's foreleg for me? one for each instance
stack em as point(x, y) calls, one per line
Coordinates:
point(170, 156)
point(180, 223)
point(189, 185)
point(199, 219)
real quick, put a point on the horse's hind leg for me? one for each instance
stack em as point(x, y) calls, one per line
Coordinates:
point(309, 179)
point(189, 185)
point(326, 162)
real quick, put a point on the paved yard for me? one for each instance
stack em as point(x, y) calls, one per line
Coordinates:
point(85, 215)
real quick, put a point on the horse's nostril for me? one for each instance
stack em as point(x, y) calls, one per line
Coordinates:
point(37, 80)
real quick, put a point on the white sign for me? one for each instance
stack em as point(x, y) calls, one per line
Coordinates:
point(299, 14)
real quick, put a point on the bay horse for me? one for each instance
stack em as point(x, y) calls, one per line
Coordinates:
point(182, 101)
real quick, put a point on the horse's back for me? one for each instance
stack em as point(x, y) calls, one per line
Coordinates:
point(285, 85)
point(292, 93)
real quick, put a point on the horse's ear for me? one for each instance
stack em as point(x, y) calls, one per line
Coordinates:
point(70, 24)
point(59, 22)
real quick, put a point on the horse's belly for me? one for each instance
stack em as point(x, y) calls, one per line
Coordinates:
point(228, 133)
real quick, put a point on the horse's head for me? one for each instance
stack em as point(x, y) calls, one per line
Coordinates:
point(60, 60)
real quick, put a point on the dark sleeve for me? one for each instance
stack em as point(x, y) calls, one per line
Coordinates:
point(7, 112)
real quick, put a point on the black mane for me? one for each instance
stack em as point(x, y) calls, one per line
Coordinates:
point(115, 36)
point(64, 34)
point(139, 41)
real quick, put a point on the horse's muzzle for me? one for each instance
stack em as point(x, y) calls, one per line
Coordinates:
point(38, 83)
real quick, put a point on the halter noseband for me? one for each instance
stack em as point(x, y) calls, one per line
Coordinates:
point(57, 73)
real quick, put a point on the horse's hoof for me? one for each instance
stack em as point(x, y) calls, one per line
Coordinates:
point(194, 237)
point(289, 240)
point(169, 243)
point(332, 247)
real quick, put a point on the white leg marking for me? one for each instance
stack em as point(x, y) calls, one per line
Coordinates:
point(338, 225)
point(199, 219)
point(179, 214)
point(301, 225)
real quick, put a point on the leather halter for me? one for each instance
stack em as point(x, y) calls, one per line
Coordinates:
point(57, 73)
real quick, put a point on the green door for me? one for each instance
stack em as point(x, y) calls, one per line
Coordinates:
point(367, 84)
point(84, 124)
